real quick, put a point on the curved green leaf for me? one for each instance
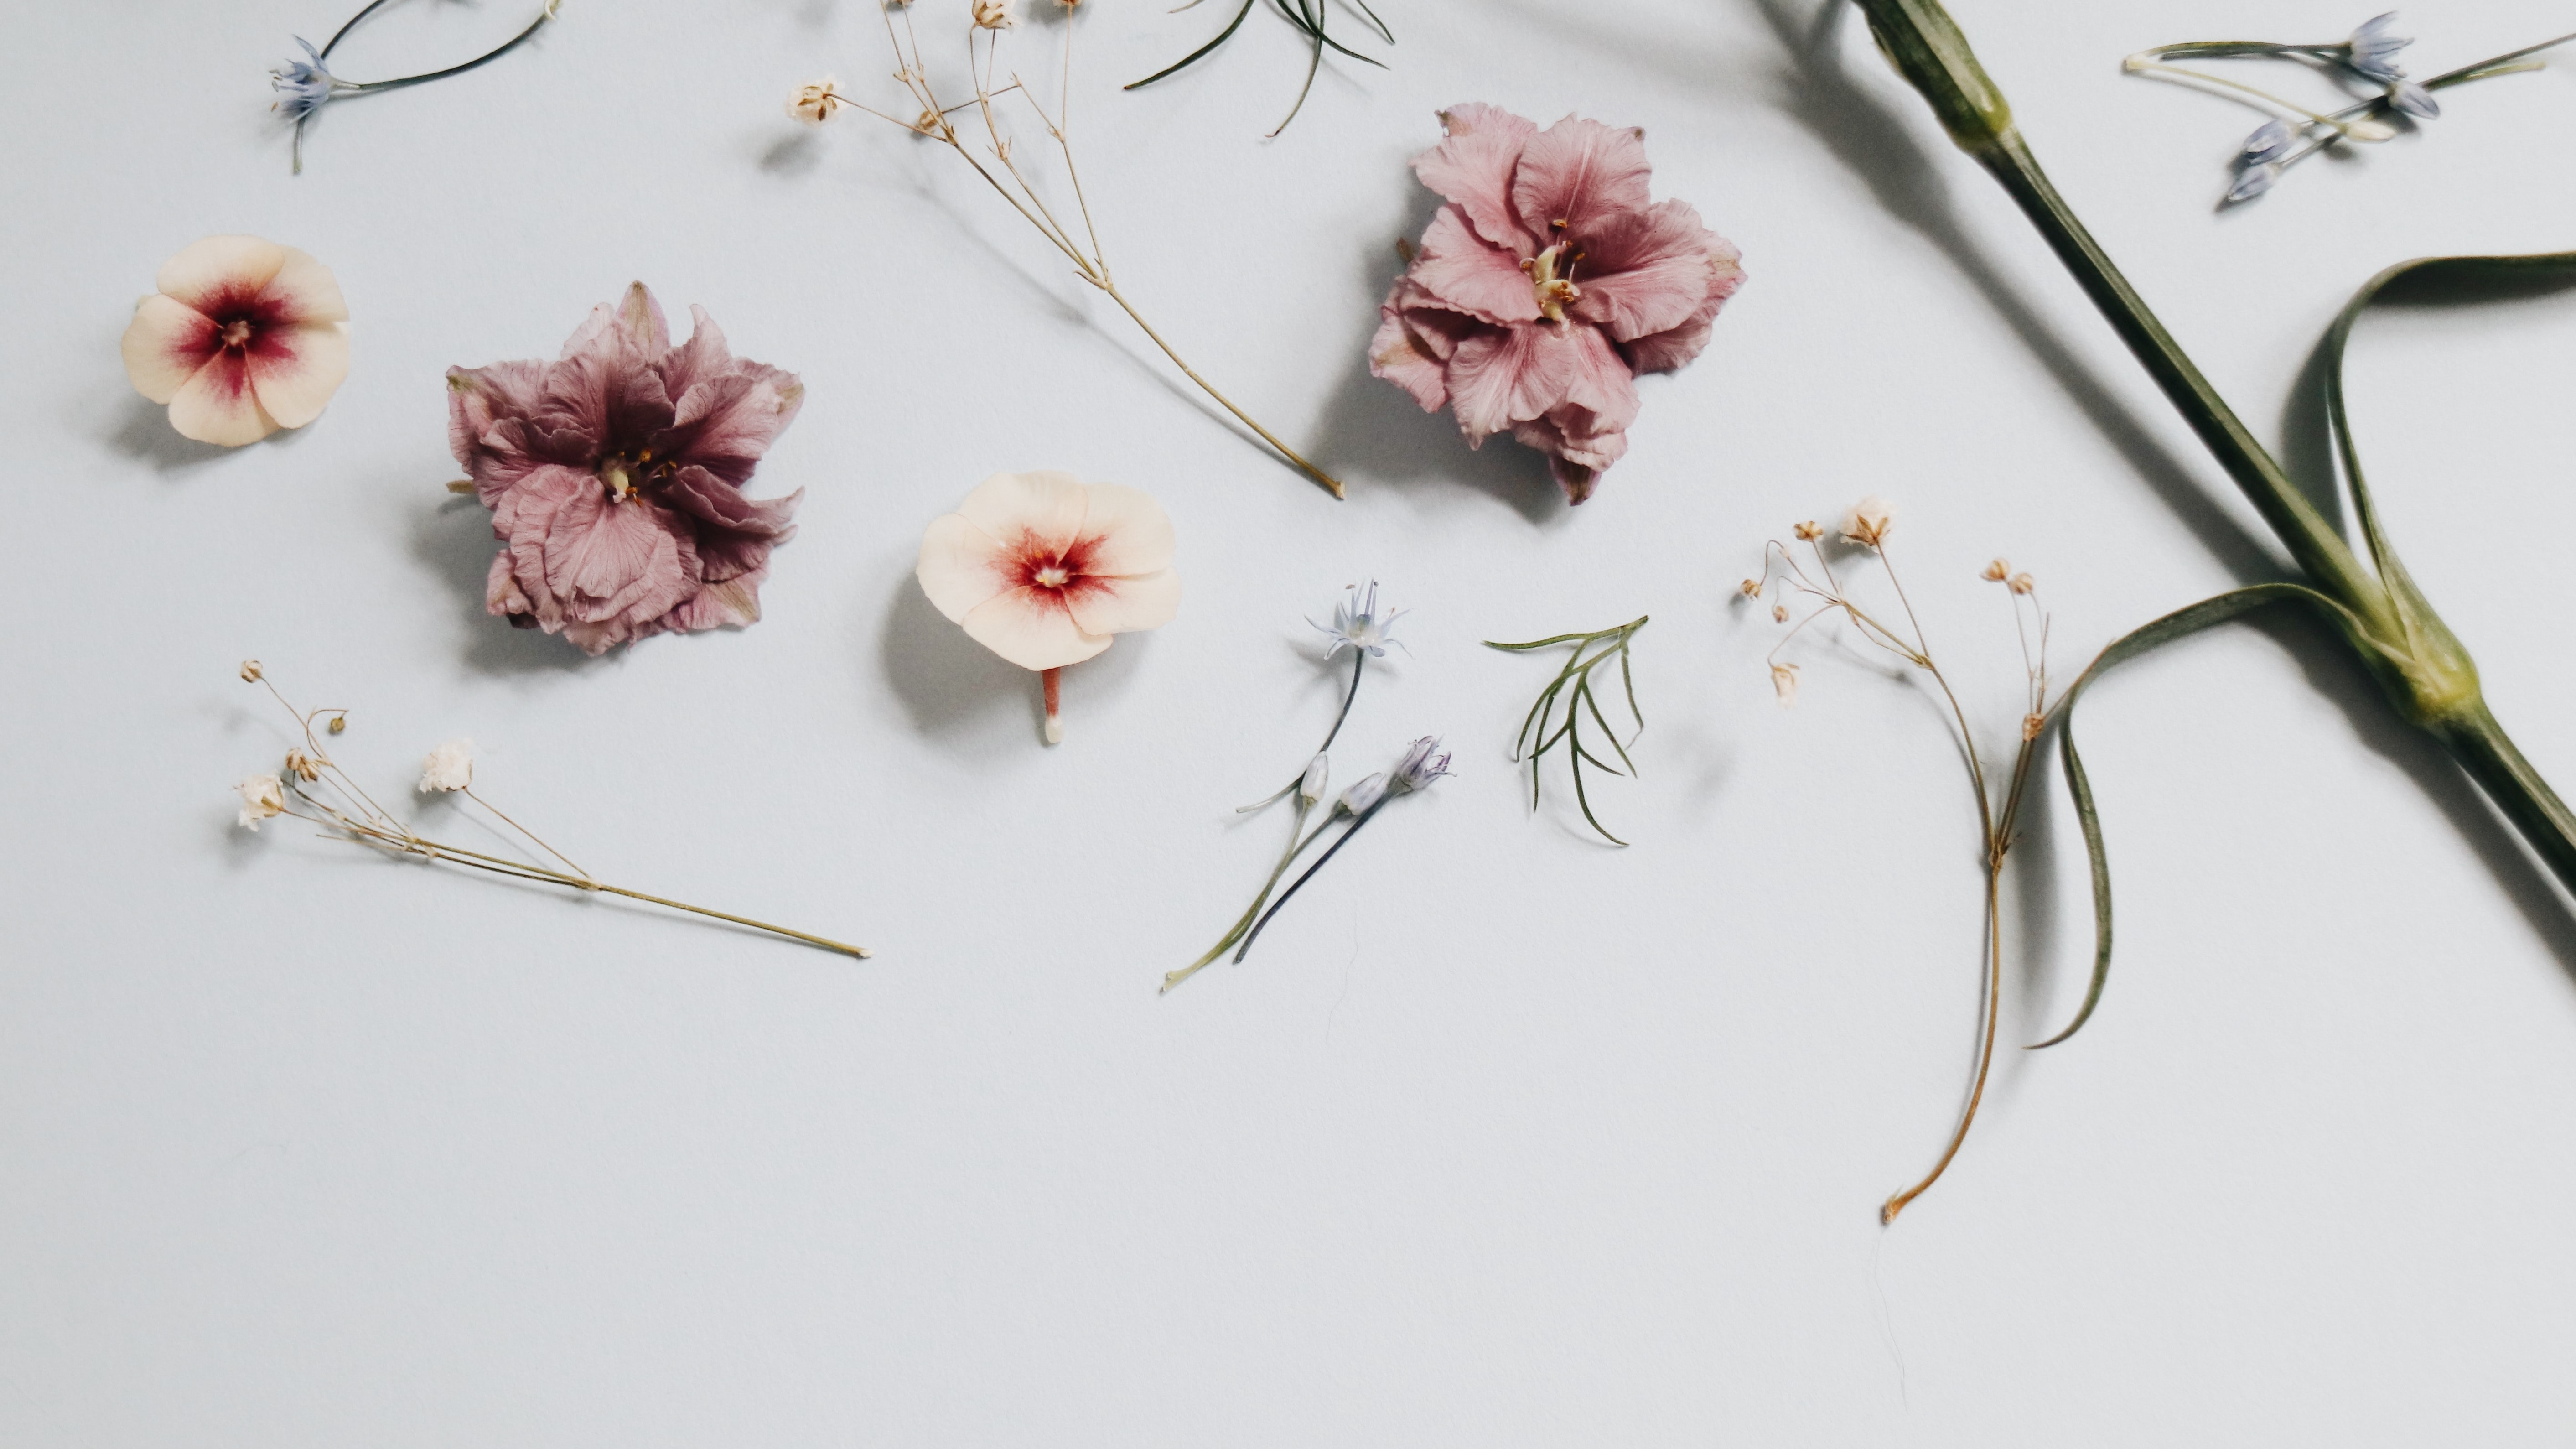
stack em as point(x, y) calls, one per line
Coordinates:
point(2079, 787)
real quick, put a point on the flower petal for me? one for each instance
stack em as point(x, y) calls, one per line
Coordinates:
point(633, 320)
point(1646, 271)
point(1124, 532)
point(960, 566)
point(607, 560)
point(1473, 168)
point(732, 602)
point(1577, 174)
point(1664, 351)
point(1046, 506)
point(304, 291)
point(165, 344)
point(1124, 605)
point(217, 269)
point(1464, 272)
point(486, 409)
point(294, 370)
point(216, 405)
point(1032, 629)
point(1405, 359)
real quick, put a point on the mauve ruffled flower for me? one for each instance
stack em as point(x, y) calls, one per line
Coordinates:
point(615, 477)
point(1549, 281)
point(244, 337)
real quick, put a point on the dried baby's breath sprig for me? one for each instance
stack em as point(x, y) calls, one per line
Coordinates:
point(1309, 17)
point(313, 788)
point(1999, 801)
point(988, 149)
point(1572, 692)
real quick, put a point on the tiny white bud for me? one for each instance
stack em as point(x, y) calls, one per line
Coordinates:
point(2368, 131)
point(1784, 683)
point(450, 767)
point(1311, 788)
point(1358, 799)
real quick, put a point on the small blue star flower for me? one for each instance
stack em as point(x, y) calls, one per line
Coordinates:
point(1358, 625)
point(2372, 51)
point(304, 85)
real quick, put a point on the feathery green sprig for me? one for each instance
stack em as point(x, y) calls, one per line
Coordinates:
point(1572, 691)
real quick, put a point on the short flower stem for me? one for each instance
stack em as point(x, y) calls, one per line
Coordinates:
point(1362, 819)
point(1051, 683)
point(1359, 662)
point(1331, 484)
point(1298, 840)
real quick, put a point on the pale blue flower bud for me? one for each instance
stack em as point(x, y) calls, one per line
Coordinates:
point(2268, 142)
point(2414, 100)
point(1311, 788)
point(2253, 181)
point(1363, 797)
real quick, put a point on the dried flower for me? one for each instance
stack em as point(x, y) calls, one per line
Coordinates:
point(1809, 532)
point(263, 797)
point(1549, 281)
point(448, 768)
point(815, 103)
point(2022, 584)
point(242, 338)
point(1868, 522)
point(325, 796)
point(2031, 725)
point(250, 671)
point(615, 477)
point(1043, 569)
point(2372, 51)
point(1423, 762)
point(1996, 572)
point(1779, 613)
point(1750, 588)
point(1363, 797)
point(991, 156)
point(1357, 624)
point(1784, 683)
point(1310, 786)
point(303, 86)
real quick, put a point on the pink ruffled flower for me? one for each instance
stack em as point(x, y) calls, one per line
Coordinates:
point(615, 477)
point(1548, 282)
point(243, 338)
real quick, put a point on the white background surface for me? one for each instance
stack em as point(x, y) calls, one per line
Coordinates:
point(1502, 1137)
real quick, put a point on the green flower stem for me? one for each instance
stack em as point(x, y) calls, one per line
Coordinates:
point(2425, 670)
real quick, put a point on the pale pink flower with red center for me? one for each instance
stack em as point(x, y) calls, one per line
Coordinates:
point(1042, 569)
point(615, 477)
point(243, 338)
point(1549, 281)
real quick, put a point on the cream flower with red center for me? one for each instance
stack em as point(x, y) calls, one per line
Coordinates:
point(1042, 569)
point(244, 337)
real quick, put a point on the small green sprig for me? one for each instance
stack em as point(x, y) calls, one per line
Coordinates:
point(1571, 691)
point(1308, 16)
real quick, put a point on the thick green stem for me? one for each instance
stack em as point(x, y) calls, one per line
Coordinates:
point(2405, 644)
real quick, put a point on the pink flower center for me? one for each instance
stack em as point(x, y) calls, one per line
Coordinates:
point(1056, 573)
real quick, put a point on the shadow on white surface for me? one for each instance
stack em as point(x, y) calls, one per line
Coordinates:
point(452, 538)
point(141, 431)
point(969, 699)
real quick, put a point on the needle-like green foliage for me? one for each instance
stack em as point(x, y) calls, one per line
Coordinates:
point(1309, 18)
point(1571, 695)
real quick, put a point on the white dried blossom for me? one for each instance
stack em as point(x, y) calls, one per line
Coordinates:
point(1784, 683)
point(994, 15)
point(449, 767)
point(263, 797)
point(1869, 521)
